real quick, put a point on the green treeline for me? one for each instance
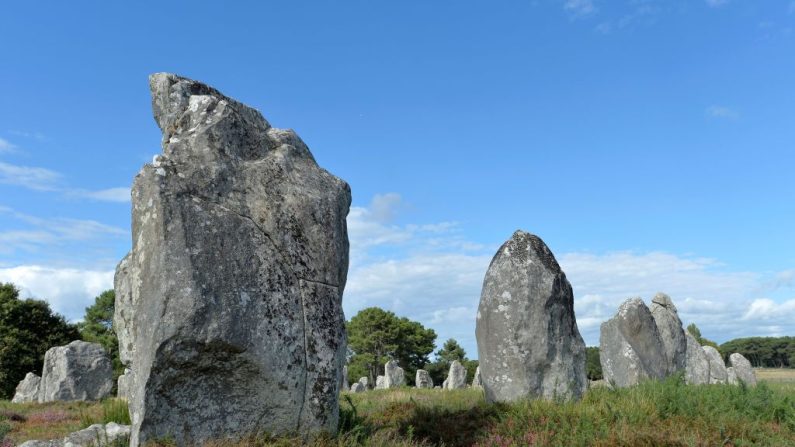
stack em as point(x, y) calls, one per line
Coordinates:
point(767, 352)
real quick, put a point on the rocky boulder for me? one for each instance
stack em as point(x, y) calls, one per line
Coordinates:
point(77, 371)
point(527, 336)
point(231, 297)
point(96, 435)
point(670, 328)
point(364, 381)
point(393, 375)
point(630, 347)
point(696, 362)
point(357, 388)
point(423, 379)
point(717, 369)
point(742, 369)
point(456, 377)
point(28, 389)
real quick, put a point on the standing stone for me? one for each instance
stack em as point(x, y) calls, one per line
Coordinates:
point(393, 375)
point(444, 384)
point(345, 386)
point(77, 371)
point(477, 382)
point(456, 377)
point(357, 388)
point(742, 369)
point(717, 369)
point(696, 363)
point(528, 341)
point(364, 381)
point(630, 347)
point(233, 288)
point(731, 376)
point(380, 383)
point(28, 389)
point(423, 379)
point(670, 328)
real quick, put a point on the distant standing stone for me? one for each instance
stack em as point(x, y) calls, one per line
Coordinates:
point(28, 389)
point(380, 383)
point(456, 377)
point(476, 381)
point(696, 363)
point(77, 371)
point(670, 328)
point(423, 379)
point(364, 381)
point(357, 388)
point(345, 386)
point(742, 369)
point(527, 336)
point(717, 369)
point(630, 347)
point(731, 376)
point(393, 375)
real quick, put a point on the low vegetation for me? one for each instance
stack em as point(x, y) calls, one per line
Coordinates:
point(654, 413)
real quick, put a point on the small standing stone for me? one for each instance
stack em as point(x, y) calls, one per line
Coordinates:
point(423, 379)
point(742, 369)
point(77, 371)
point(28, 389)
point(393, 375)
point(380, 383)
point(457, 377)
point(364, 381)
point(477, 382)
point(345, 386)
point(717, 369)
point(357, 388)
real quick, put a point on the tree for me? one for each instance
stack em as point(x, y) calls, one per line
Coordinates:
point(696, 333)
point(377, 336)
point(449, 352)
point(97, 327)
point(28, 328)
point(769, 352)
point(593, 364)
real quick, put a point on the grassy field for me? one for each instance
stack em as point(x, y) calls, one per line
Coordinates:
point(653, 414)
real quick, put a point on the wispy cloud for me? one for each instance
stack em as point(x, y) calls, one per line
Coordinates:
point(120, 194)
point(722, 112)
point(38, 179)
point(579, 8)
point(5, 146)
point(35, 135)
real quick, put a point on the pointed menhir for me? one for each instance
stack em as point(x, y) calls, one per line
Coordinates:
point(528, 341)
point(230, 302)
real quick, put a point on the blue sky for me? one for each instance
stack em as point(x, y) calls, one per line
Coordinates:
point(649, 143)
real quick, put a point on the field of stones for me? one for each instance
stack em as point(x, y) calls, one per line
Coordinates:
point(230, 327)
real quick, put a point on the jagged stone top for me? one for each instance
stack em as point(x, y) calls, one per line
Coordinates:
point(524, 247)
point(664, 301)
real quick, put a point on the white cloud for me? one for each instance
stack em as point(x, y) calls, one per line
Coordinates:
point(69, 291)
point(5, 146)
point(39, 179)
point(716, 3)
point(723, 112)
point(120, 194)
point(768, 310)
point(579, 8)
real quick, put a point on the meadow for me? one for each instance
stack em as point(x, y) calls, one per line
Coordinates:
point(667, 413)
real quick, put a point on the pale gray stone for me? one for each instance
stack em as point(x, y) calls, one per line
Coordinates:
point(743, 369)
point(28, 389)
point(380, 383)
point(78, 371)
point(456, 376)
point(717, 369)
point(477, 382)
point(444, 383)
point(696, 362)
point(234, 282)
point(731, 376)
point(358, 388)
point(393, 375)
point(423, 379)
point(630, 347)
point(527, 336)
point(670, 328)
point(96, 435)
point(124, 385)
point(345, 386)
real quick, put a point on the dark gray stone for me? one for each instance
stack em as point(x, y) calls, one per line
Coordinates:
point(630, 347)
point(233, 288)
point(79, 371)
point(670, 328)
point(528, 341)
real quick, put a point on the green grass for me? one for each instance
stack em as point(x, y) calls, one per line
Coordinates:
point(667, 413)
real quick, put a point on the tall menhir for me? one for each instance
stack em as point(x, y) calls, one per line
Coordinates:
point(229, 306)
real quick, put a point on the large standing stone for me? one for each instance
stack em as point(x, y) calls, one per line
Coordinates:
point(630, 348)
point(393, 375)
point(456, 377)
point(696, 362)
point(77, 371)
point(742, 369)
point(477, 382)
point(717, 369)
point(670, 328)
point(235, 279)
point(528, 341)
point(422, 379)
point(28, 389)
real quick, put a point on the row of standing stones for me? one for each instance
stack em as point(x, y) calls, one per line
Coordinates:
point(229, 304)
point(394, 378)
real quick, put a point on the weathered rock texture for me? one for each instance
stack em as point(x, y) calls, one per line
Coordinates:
point(393, 375)
point(731, 376)
point(380, 383)
point(630, 347)
point(345, 386)
point(696, 362)
point(528, 341)
point(422, 379)
point(77, 371)
point(28, 389)
point(742, 369)
point(231, 295)
point(96, 435)
point(670, 328)
point(357, 388)
point(123, 385)
point(456, 376)
point(477, 382)
point(717, 369)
